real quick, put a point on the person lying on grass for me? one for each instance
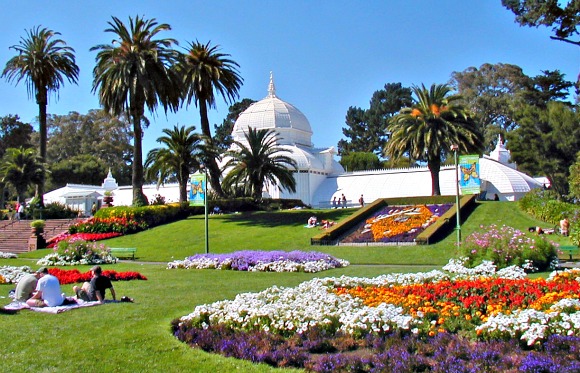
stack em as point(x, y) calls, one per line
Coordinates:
point(95, 290)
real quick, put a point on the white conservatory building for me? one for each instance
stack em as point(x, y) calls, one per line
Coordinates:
point(319, 177)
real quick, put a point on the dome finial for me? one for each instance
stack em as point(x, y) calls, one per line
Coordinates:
point(271, 88)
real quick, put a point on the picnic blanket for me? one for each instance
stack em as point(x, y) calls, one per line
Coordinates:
point(58, 309)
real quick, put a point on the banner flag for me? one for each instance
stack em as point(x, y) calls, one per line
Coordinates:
point(469, 180)
point(197, 190)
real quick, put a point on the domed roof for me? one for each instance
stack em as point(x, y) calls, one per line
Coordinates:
point(272, 113)
point(304, 160)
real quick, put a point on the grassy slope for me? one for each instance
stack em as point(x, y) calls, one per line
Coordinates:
point(135, 337)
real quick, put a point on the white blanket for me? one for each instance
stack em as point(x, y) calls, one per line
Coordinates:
point(58, 309)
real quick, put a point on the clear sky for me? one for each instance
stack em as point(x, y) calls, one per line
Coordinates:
point(325, 55)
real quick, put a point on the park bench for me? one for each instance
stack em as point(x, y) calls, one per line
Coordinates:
point(570, 250)
point(124, 252)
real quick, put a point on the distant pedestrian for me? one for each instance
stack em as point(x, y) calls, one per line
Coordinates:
point(343, 201)
point(334, 202)
point(361, 201)
point(19, 211)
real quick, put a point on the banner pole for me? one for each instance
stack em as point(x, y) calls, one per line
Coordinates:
point(206, 219)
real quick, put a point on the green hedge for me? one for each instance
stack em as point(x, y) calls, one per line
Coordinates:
point(152, 215)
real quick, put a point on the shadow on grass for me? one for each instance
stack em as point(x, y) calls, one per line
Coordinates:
point(294, 218)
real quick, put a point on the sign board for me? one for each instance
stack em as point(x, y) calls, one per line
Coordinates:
point(469, 180)
point(197, 189)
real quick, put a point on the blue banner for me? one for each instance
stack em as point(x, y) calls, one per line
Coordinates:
point(197, 190)
point(469, 180)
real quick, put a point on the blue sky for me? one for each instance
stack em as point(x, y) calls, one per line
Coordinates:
point(325, 55)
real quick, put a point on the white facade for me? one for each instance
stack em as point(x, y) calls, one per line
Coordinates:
point(319, 177)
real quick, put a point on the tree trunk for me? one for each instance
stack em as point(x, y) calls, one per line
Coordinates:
point(41, 99)
point(139, 198)
point(211, 163)
point(434, 167)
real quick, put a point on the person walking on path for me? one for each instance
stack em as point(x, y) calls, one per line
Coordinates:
point(361, 201)
point(343, 201)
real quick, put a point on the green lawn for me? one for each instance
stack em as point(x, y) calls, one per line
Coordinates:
point(135, 337)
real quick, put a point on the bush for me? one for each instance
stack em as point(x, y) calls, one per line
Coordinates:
point(507, 246)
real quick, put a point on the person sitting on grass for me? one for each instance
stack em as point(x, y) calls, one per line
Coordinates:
point(95, 290)
point(26, 286)
point(47, 292)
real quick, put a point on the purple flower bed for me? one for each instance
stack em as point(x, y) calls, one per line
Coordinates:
point(250, 260)
point(318, 351)
point(363, 234)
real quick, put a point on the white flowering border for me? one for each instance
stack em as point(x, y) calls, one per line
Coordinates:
point(313, 303)
point(12, 274)
point(54, 259)
point(4, 255)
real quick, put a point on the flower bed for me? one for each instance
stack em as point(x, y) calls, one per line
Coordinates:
point(11, 275)
point(8, 255)
point(397, 223)
point(80, 236)
point(78, 252)
point(506, 246)
point(266, 261)
point(469, 308)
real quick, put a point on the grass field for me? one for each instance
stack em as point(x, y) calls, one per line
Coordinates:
point(135, 337)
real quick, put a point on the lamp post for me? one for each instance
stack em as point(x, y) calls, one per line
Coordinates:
point(455, 149)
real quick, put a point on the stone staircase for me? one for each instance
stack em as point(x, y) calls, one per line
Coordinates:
point(14, 234)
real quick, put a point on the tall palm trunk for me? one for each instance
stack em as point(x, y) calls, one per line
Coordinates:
point(139, 198)
point(42, 101)
point(211, 163)
point(434, 166)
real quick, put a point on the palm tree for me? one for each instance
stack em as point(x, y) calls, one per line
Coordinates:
point(21, 167)
point(133, 72)
point(258, 162)
point(427, 130)
point(181, 156)
point(44, 63)
point(205, 71)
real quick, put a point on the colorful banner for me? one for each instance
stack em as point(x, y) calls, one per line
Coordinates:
point(197, 190)
point(469, 180)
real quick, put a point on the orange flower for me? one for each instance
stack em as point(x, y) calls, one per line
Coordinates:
point(415, 113)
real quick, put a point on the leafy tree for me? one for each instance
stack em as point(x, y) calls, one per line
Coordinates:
point(551, 86)
point(563, 17)
point(44, 63)
point(491, 92)
point(98, 134)
point(204, 71)
point(426, 130)
point(546, 142)
point(78, 169)
point(258, 162)
point(367, 129)
point(21, 167)
point(574, 178)
point(223, 133)
point(133, 72)
point(14, 133)
point(180, 157)
point(358, 161)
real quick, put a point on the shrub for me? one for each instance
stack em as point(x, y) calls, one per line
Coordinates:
point(506, 246)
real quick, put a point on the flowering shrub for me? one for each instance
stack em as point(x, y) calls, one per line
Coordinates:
point(266, 261)
point(506, 246)
point(123, 225)
point(350, 312)
point(397, 223)
point(76, 252)
point(82, 236)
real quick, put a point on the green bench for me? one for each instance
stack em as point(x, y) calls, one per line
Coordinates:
point(570, 250)
point(124, 252)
